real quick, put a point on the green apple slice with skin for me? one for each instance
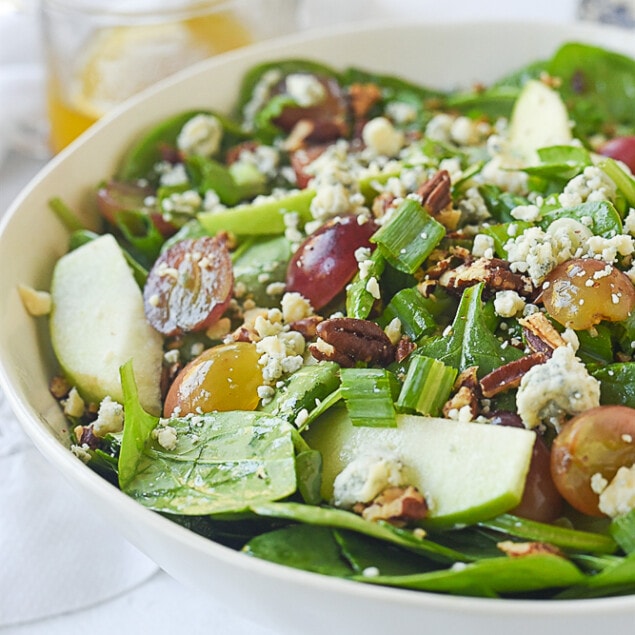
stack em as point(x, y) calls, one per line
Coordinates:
point(467, 472)
point(539, 119)
point(97, 323)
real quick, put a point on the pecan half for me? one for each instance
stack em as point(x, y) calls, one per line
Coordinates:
point(540, 334)
point(493, 272)
point(522, 549)
point(397, 505)
point(350, 340)
point(435, 192)
point(509, 375)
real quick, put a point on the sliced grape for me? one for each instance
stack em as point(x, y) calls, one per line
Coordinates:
point(582, 292)
point(325, 262)
point(598, 441)
point(189, 286)
point(621, 149)
point(224, 377)
point(541, 500)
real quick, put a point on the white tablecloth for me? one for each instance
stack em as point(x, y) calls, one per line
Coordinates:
point(138, 598)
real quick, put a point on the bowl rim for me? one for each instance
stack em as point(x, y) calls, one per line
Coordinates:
point(79, 474)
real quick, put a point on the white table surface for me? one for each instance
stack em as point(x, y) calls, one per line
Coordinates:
point(160, 604)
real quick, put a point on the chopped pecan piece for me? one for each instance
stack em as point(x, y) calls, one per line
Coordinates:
point(59, 387)
point(509, 375)
point(405, 346)
point(494, 272)
point(522, 549)
point(86, 436)
point(363, 97)
point(307, 327)
point(467, 393)
point(397, 505)
point(382, 203)
point(540, 334)
point(435, 192)
point(350, 340)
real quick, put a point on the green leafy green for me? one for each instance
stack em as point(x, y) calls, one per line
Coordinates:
point(217, 462)
point(469, 341)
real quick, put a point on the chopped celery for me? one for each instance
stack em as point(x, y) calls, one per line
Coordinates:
point(427, 385)
point(410, 307)
point(368, 396)
point(409, 237)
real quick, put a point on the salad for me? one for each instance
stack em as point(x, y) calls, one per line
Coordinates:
point(372, 329)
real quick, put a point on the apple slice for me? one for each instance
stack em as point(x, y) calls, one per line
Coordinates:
point(539, 119)
point(97, 323)
point(467, 471)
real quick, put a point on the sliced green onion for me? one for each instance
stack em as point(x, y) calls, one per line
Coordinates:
point(409, 236)
point(66, 214)
point(368, 393)
point(427, 386)
point(360, 301)
point(409, 307)
point(625, 183)
point(623, 531)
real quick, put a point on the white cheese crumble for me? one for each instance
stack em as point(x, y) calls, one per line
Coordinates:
point(528, 213)
point(165, 435)
point(507, 304)
point(201, 135)
point(81, 452)
point(561, 386)
point(483, 246)
point(295, 307)
point(536, 252)
point(608, 249)
point(618, 497)
point(74, 405)
point(305, 89)
point(382, 138)
point(365, 477)
point(592, 185)
point(170, 174)
point(110, 418)
point(188, 202)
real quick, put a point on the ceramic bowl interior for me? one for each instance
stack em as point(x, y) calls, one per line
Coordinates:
point(31, 239)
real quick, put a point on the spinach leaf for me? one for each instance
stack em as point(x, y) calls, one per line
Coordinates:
point(491, 576)
point(617, 383)
point(561, 163)
point(218, 462)
point(341, 519)
point(137, 429)
point(604, 218)
point(569, 539)
point(363, 553)
point(305, 547)
point(469, 342)
point(597, 86)
point(615, 579)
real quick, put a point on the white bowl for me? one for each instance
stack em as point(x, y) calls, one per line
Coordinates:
point(31, 239)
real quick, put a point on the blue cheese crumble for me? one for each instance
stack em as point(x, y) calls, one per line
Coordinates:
point(365, 477)
point(201, 135)
point(559, 387)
